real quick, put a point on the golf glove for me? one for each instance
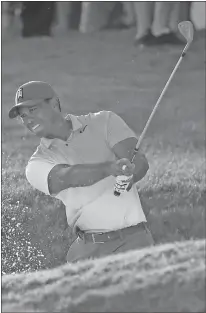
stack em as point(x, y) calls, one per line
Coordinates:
point(122, 184)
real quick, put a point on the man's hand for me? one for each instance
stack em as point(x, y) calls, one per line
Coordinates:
point(125, 149)
point(117, 168)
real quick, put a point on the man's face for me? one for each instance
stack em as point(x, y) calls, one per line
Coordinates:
point(39, 118)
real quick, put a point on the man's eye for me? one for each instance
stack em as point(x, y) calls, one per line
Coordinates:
point(23, 115)
point(32, 109)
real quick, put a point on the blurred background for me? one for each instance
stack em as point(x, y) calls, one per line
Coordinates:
point(46, 18)
point(104, 56)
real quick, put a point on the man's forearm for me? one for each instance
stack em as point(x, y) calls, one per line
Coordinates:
point(81, 175)
point(63, 176)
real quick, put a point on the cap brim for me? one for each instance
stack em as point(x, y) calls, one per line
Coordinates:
point(14, 112)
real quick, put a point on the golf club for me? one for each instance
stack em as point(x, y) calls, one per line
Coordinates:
point(187, 31)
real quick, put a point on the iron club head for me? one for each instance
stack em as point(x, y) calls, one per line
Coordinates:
point(187, 31)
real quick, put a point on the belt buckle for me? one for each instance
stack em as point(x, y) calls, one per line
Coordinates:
point(94, 241)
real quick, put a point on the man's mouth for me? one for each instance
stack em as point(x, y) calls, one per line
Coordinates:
point(35, 126)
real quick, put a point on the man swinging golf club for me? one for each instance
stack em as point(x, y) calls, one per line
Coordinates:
point(78, 160)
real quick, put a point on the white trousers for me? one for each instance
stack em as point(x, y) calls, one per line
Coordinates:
point(160, 17)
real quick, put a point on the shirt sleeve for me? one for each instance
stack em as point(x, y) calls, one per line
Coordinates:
point(117, 129)
point(37, 172)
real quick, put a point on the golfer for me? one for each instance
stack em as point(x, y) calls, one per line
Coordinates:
point(77, 161)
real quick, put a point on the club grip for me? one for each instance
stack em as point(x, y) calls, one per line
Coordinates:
point(121, 185)
point(122, 182)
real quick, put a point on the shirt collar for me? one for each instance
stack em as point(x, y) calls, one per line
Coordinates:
point(77, 125)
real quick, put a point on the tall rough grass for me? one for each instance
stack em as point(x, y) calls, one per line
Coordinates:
point(35, 234)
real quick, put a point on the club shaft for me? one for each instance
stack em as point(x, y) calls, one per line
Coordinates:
point(157, 104)
point(186, 29)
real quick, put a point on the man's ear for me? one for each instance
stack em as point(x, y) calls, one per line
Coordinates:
point(56, 104)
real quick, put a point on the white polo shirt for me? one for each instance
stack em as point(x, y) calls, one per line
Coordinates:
point(92, 208)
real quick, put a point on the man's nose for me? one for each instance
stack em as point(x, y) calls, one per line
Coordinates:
point(28, 118)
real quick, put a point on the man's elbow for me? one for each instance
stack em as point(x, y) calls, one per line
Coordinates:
point(145, 168)
point(143, 162)
point(142, 168)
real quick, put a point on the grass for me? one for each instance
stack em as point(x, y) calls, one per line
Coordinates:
point(167, 278)
point(105, 72)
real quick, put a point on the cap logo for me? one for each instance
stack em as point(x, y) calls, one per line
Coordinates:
point(20, 93)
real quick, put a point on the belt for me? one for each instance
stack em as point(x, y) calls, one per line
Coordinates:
point(111, 235)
